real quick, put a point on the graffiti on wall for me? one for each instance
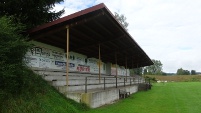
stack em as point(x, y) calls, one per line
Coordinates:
point(42, 52)
point(71, 57)
point(44, 62)
point(44, 56)
point(58, 55)
point(71, 65)
point(92, 62)
point(31, 61)
point(79, 60)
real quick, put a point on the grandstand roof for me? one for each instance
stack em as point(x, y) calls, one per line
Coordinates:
point(89, 28)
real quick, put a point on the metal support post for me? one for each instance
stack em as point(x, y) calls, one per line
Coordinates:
point(67, 53)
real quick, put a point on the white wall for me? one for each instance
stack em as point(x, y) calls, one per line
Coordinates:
point(47, 56)
point(120, 70)
point(94, 66)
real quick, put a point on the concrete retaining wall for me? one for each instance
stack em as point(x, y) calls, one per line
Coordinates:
point(96, 99)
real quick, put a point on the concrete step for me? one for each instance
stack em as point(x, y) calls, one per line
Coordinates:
point(47, 69)
point(60, 73)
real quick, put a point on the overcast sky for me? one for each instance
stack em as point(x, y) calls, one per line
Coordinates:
point(167, 30)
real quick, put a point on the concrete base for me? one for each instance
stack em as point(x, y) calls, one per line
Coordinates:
point(78, 83)
point(98, 98)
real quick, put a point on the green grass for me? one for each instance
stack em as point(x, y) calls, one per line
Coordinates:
point(37, 97)
point(176, 97)
point(47, 103)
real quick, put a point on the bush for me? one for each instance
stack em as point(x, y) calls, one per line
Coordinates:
point(13, 49)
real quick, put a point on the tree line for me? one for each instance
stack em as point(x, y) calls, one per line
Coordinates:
point(157, 69)
point(181, 71)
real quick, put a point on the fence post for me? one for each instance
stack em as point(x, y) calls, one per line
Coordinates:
point(124, 82)
point(104, 83)
point(130, 82)
point(86, 85)
point(138, 79)
point(116, 82)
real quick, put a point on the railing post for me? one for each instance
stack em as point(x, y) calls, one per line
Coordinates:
point(130, 82)
point(116, 82)
point(124, 82)
point(138, 80)
point(86, 85)
point(104, 83)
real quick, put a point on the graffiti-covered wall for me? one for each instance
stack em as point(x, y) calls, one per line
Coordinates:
point(77, 62)
point(46, 56)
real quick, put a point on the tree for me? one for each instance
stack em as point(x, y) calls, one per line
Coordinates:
point(183, 72)
point(30, 12)
point(122, 19)
point(186, 72)
point(155, 69)
point(193, 72)
point(13, 49)
point(180, 71)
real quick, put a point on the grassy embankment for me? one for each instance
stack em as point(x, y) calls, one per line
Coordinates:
point(37, 97)
point(173, 97)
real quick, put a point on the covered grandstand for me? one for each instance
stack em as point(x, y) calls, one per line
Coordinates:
point(86, 48)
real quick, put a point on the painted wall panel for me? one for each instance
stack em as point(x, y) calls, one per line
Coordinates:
point(47, 56)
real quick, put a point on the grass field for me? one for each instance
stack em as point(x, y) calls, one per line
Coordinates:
point(174, 97)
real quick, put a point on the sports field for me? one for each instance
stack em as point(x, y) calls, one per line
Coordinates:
point(171, 97)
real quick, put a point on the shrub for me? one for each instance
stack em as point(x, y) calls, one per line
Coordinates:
point(13, 49)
